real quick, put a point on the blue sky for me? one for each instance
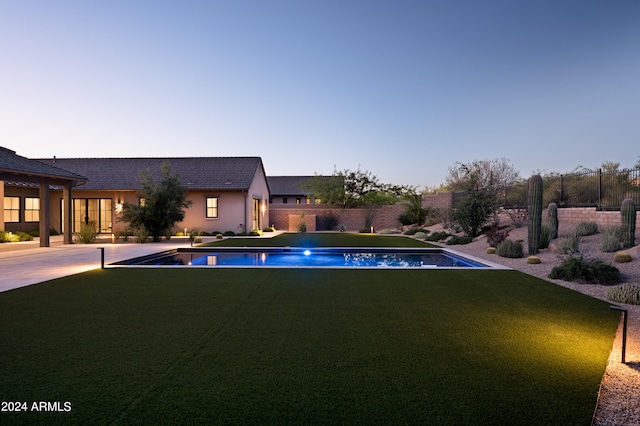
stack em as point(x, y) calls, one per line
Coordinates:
point(403, 89)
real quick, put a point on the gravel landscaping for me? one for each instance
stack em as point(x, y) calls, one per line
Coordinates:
point(619, 398)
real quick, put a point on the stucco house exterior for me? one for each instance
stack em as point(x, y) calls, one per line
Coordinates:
point(227, 193)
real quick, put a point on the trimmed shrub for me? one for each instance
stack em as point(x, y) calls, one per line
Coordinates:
point(142, 234)
point(459, 240)
point(414, 230)
point(389, 231)
point(420, 235)
point(269, 229)
point(219, 236)
point(255, 233)
point(582, 229)
point(578, 269)
point(438, 236)
point(623, 257)
point(491, 250)
point(511, 249)
point(229, 234)
point(533, 260)
point(569, 244)
point(611, 239)
point(626, 293)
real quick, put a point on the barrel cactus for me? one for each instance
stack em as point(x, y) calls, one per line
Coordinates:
point(628, 213)
point(535, 213)
point(552, 218)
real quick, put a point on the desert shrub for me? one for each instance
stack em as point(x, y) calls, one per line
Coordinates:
point(626, 293)
point(8, 237)
point(545, 236)
point(533, 260)
point(623, 257)
point(518, 216)
point(328, 221)
point(582, 229)
point(579, 269)
point(569, 244)
point(87, 233)
point(611, 239)
point(511, 249)
point(414, 230)
point(24, 236)
point(438, 236)
point(255, 233)
point(141, 234)
point(459, 240)
point(342, 227)
point(267, 229)
point(420, 235)
point(491, 250)
point(389, 231)
point(495, 236)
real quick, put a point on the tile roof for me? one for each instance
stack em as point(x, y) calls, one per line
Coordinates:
point(219, 173)
point(288, 185)
point(11, 163)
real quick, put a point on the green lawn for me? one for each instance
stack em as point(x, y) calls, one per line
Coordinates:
point(286, 346)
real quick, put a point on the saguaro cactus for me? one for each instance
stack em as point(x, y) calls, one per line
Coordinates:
point(628, 213)
point(535, 213)
point(552, 216)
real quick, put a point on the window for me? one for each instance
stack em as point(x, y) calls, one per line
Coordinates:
point(298, 200)
point(11, 209)
point(31, 209)
point(142, 202)
point(285, 200)
point(212, 207)
point(95, 211)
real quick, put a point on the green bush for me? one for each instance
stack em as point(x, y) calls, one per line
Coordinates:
point(438, 236)
point(414, 230)
point(24, 236)
point(87, 233)
point(582, 229)
point(229, 233)
point(255, 233)
point(569, 244)
point(420, 235)
point(511, 249)
point(8, 237)
point(269, 229)
point(142, 234)
point(545, 236)
point(611, 239)
point(459, 240)
point(578, 269)
point(626, 293)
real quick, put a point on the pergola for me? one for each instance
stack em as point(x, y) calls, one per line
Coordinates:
point(20, 169)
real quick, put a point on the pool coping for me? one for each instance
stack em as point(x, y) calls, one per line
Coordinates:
point(487, 265)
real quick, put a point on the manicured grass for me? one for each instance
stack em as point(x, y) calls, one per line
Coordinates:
point(304, 347)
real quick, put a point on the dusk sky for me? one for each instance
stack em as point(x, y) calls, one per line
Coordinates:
point(403, 89)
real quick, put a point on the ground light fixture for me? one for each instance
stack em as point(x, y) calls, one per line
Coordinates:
point(624, 329)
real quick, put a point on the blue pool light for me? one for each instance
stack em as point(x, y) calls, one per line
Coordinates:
point(307, 252)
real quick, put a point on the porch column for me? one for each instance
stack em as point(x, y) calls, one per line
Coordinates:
point(1, 205)
point(45, 218)
point(67, 222)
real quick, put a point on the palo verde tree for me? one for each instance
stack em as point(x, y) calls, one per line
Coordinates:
point(163, 205)
point(478, 202)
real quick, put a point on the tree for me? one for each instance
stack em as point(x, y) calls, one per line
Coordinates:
point(496, 172)
point(414, 213)
point(358, 188)
point(477, 205)
point(163, 206)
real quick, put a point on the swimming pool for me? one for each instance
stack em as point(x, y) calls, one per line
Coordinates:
point(290, 257)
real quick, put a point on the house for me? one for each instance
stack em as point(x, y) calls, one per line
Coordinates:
point(289, 190)
point(25, 190)
point(227, 193)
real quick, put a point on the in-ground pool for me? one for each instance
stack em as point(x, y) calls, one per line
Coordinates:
point(313, 258)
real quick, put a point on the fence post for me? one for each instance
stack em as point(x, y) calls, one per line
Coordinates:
point(600, 187)
point(561, 197)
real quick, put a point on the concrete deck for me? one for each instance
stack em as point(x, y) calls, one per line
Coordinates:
point(26, 263)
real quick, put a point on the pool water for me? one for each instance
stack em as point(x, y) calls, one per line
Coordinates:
point(301, 257)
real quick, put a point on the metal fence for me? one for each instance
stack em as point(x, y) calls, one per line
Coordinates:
point(603, 190)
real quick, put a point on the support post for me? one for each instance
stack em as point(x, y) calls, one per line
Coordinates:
point(45, 217)
point(101, 257)
point(67, 225)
